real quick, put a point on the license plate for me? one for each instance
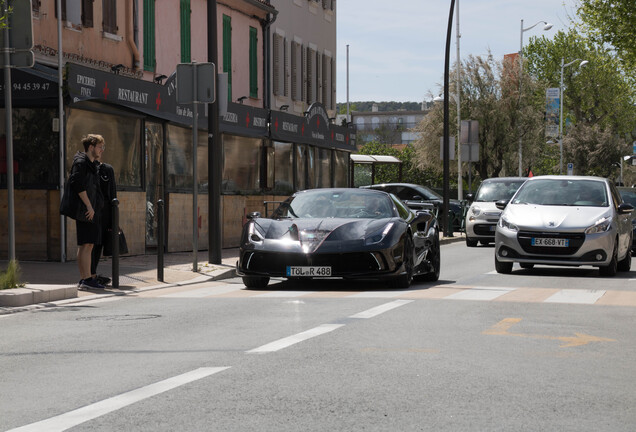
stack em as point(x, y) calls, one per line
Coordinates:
point(308, 271)
point(550, 242)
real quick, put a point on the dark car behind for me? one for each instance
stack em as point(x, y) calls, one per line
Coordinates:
point(418, 197)
point(629, 196)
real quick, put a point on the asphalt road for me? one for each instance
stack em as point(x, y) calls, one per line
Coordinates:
point(534, 350)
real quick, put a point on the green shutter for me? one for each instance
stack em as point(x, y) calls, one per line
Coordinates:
point(227, 53)
point(253, 63)
point(149, 35)
point(185, 32)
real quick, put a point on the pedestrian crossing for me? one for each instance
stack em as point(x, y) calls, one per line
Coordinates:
point(235, 289)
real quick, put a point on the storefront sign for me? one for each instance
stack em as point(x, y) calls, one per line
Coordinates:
point(244, 120)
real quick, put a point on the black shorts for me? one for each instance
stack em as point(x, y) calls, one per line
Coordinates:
point(88, 232)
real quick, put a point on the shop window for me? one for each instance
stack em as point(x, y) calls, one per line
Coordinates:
point(185, 31)
point(35, 150)
point(149, 35)
point(122, 136)
point(227, 53)
point(241, 164)
point(253, 61)
point(283, 168)
point(323, 168)
point(179, 159)
point(341, 169)
point(109, 11)
point(305, 167)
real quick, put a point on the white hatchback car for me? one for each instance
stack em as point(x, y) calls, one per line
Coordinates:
point(483, 215)
point(565, 221)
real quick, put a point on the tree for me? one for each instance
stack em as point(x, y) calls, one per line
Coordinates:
point(598, 99)
point(612, 22)
point(490, 95)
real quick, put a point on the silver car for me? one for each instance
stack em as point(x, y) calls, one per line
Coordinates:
point(565, 221)
point(483, 215)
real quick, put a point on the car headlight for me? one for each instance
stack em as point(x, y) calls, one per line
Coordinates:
point(379, 235)
point(253, 235)
point(601, 225)
point(504, 223)
point(475, 210)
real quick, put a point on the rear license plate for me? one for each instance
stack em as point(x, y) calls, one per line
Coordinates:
point(311, 271)
point(550, 242)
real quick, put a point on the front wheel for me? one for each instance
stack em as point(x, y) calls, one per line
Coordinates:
point(625, 264)
point(404, 280)
point(255, 282)
point(434, 257)
point(470, 242)
point(503, 267)
point(610, 269)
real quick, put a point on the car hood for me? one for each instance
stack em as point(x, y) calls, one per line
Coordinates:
point(311, 233)
point(486, 206)
point(561, 218)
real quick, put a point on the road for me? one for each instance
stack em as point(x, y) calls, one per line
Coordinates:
point(548, 349)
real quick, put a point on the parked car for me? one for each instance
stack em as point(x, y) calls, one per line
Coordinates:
point(419, 197)
point(565, 221)
point(340, 233)
point(483, 215)
point(629, 196)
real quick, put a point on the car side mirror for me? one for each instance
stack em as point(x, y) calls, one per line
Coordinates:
point(470, 197)
point(253, 215)
point(501, 204)
point(625, 208)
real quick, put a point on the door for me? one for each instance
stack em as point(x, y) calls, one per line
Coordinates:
point(154, 179)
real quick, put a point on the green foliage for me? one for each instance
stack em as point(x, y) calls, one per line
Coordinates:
point(612, 22)
point(11, 277)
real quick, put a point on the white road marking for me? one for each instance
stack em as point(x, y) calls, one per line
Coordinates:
point(294, 339)
point(576, 296)
point(98, 409)
point(370, 313)
point(480, 293)
point(285, 294)
point(379, 294)
point(203, 292)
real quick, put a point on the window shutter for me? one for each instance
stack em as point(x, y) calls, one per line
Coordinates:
point(296, 71)
point(311, 75)
point(285, 73)
point(63, 9)
point(87, 12)
point(319, 77)
point(279, 63)
point(332, 87)
point(327, 79)
point(227, 53)
point(149, 35)
point(253, 60)
point(185, 15)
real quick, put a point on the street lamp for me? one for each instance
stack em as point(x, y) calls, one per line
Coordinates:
point(546, 26)
point(563, 66)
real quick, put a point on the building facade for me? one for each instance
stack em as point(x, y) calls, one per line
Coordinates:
point(119, 78)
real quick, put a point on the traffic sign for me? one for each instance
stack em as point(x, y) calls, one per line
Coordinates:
point(570, 168)
point(20, 26)
point(204, 86)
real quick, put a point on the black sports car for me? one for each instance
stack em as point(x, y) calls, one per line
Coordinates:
point(341, 233)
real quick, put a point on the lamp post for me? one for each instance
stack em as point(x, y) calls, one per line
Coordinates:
point(446, 140)
point(563, 66)
point(546, 26)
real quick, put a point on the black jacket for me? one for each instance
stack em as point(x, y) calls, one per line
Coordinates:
point(108, 188)
point(84, 178)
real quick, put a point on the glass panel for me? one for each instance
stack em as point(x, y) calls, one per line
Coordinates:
point(241, 164)
point(341, 168)
point(283, 168)
point(323, 168)
point(122, 136)
point(154, 178)
point(35, 149)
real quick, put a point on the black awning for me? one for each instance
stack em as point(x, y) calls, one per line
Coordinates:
point(244, 120)
point(32, 87)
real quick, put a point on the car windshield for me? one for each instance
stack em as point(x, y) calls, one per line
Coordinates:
point(491, 191)
point(337, 204)
point(628, 195)
point(563, 192)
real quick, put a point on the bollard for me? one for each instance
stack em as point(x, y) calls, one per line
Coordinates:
point(115, 241)
point(160, 241)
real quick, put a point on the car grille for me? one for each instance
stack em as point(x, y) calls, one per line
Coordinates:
point(484, 229)
point(576, 240)
point(341, 264)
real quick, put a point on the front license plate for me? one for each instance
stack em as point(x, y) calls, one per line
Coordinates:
point(311, 271)
point(550, 242)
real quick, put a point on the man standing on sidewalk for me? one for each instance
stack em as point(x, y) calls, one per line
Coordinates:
point(85, 183)
point(107, 184)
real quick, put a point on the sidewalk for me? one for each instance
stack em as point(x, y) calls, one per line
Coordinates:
point(47, 281)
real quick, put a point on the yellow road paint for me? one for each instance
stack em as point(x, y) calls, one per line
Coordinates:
point(502, 329)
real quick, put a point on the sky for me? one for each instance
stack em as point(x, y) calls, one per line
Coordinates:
point(397, 47)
